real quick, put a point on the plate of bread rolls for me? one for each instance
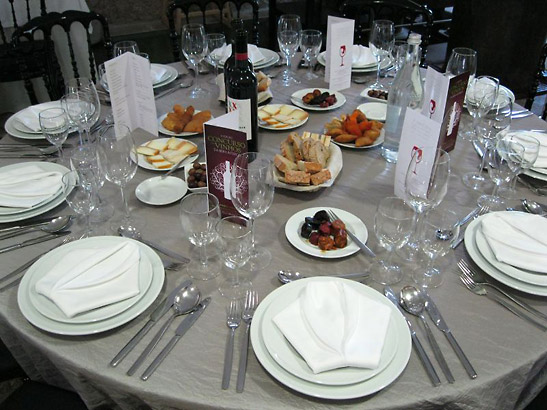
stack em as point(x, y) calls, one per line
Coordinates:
point(183, 122)
point(307, 162)
point(355, 131)
point(161, 154)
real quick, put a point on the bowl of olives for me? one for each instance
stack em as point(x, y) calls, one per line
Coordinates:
point(196, 176)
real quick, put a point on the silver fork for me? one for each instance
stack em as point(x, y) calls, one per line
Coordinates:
point(482, 211)
point(481, 291)
point(232, 321)
point(251, 302)
point(359, 242)
point(479, 279)
point(170, 265)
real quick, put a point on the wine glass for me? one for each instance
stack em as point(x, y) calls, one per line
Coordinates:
point(310, 46)
point(54, 124)
point(426, 184)
point(398, 55)
point(234, 234)
point(216, 43)
point(80, 198)
point(439, 232)
point(252, 192)
point(82, 105)
point(289, 29)
point(128, 46)
point(194, 48)
point(380, 43)
point(115, 149)
point(393, 224)
point(199, 214)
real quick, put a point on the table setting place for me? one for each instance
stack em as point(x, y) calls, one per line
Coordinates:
point(166, 210)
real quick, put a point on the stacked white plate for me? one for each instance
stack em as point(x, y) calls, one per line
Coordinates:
point(524, 280)
point(270, 58)
point(168, 77)
point(536, 171)
point(17, 128)
point(283, 362)
point(8, 214)
point(357, 68)
point(44, 314)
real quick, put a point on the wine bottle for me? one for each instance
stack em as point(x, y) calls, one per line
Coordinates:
point(241, 91)
point(237, 24)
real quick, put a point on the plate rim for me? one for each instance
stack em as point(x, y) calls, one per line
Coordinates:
point(289, 127)
point(167, 202)
point(383, 119)
point(141, 162)
point(340, 99)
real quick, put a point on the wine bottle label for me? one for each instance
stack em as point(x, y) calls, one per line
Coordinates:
point(244, 108)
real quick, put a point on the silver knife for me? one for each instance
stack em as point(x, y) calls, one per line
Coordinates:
point(388, 292)
point(160, 310)
point(181, 330)
point(165, 251)
point(34, 241)
point(436, 317)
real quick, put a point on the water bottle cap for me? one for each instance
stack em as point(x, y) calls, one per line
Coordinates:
point(414, 39)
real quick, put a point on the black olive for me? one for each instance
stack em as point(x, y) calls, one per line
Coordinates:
point(321, 216)
point(306, 230)
point(313, 222)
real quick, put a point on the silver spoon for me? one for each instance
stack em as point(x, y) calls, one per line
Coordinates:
point(185, 302)
point(412, 300)
point(532, 207)
point(287, 276)
point(54, 226)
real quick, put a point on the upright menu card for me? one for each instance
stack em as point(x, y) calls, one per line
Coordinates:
point(338, 55)
point(223, 143)
point(131, 92)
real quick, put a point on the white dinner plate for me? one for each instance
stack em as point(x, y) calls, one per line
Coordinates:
point(378, 141)
point(287, 357)
point(536, 175)
point(296, 99)
point(350, 391)
point(44, 207)
point(170, 75)
point(354, 224)
point(14, 211)
point(321, 59)
point(481, 262)
point(165, 131)
point(34, 316)
point(374, 111)
point(364, 94)
point(266, 126)
point(143, 163)
point(21, 127)
point(158, 191)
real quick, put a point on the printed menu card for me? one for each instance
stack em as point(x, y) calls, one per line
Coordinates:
point(223, 143)
point(338, 55)
point(131, 92)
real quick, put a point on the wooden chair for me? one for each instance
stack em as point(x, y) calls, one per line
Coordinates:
point(407, 15)
point(539, 85)
point(53, 78)
point(188, 7)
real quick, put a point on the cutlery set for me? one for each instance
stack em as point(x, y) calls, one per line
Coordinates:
point(475, 213)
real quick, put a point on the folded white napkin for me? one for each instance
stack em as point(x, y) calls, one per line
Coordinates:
point(255, 55)
point(362, 55)
point(517, 239)
point(86, 279)
point(331, 326)
point(29, 116)
point(27, 186)
point(157, 73)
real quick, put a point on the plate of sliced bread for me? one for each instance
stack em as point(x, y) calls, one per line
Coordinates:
point(161, 154)
point(307, 162)
point(281, 117)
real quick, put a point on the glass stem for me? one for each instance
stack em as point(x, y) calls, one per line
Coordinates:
point(196, 70)
point(310, 68)
point(379, 59)
point(87, 225)
point(126, 205)
point(60, 151)
point(203, 255)
point(80, 132)
point(495, 190)
point(252, 235)
point(420, 220)
point(289, 64)
point(484, 156)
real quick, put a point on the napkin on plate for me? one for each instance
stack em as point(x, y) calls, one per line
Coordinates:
point(28, 117)
point(86, 279)
point(255, 55)
point(157, 73)
point(517, 239)
point(362, 55)
point(27, 186)
point(331, 326)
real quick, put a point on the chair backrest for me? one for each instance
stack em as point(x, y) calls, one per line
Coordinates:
point(407, 15)
point(540, 77)
point(202, 7)
point(45, 24)
point(14, 11)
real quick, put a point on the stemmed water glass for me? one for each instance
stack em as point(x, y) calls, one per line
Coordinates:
point(393, 224)
point(234, 233)
point(398, 55)
point(199, 214)
point(54, 124)
point(115, 149)
point(128, 46)
point(480, 89)
point(216, 43)
point(310, 45)
point(462, 60)
point(380, 43)
point(252, 192)
point(80, 198)
point(289, 29)
point(82, 105)
point(194, 48)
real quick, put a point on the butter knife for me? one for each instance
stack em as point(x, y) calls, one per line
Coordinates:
point(34, 241)
point(181, 330)
point(390, 294)
point(160, 310)
point(436, 317)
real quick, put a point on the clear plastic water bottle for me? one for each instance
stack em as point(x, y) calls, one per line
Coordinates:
point(406, 92)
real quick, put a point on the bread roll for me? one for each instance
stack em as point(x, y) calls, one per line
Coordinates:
point(297, 177)
point(283, 164)
point(320, 177)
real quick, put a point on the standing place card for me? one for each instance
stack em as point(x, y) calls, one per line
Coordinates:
point(131, 92)
point(223, 143)
point(339, 52)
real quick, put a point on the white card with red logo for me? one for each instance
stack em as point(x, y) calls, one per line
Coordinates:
point(338, 54)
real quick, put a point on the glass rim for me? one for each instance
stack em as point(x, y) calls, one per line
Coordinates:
point(193, 195)
point(192, 26)
point(383, 22)
point(234, 217)
point(464, 51)
point(309, 32)
point(60, 112)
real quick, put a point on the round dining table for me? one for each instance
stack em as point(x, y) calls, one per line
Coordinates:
point(508, 354)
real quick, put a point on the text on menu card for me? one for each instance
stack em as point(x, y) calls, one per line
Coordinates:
point(339, 52)
point(131, 92)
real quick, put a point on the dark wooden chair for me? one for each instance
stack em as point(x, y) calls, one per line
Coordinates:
point(27, 34)
point(539, 85)
point(203, 7)
point(407, 15)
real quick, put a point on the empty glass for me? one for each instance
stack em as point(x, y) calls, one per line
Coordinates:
point(199, 214)
point(80, 198)
point(289, 29)
point(310, 46)
point(128, 46)
point(54, 124)
point(194, 48)
point(216, 43)
point(82, 105)
point(393, 224)
point(398, 55)
point(480, 89)
point(380, 43)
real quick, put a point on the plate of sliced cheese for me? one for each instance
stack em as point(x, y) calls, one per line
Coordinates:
point(307, 162)
point(161, 154)
point(281, 117)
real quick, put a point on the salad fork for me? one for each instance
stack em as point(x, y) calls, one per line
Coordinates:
point(478, 278)
point(482, 211)
point(363, 246)
point(232, 321)
point(251, 302)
